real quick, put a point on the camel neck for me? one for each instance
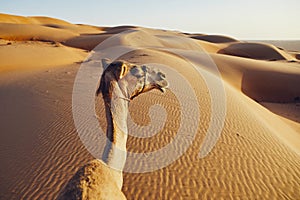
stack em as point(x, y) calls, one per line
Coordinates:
point(116, 114)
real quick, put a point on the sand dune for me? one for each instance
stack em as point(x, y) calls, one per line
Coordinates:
point(214, 38)
point(41, 28)
point(259, 79)
point(258, 51)
point(37, 55)
point(33, 32)
point(118, 29)
point(256, 157)
point(289, 45)
point(5, 18)
point(87, 42)
point(289, 112)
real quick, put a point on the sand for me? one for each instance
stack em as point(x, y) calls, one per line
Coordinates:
point(256, 157)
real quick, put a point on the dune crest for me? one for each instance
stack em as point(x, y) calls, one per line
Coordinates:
point(214, 38)
point(257, 51)
point(6, 18)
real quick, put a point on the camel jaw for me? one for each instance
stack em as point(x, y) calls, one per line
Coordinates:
point(162, 87)
point(163, 90)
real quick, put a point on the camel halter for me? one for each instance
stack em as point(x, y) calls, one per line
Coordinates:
point(124, 98)
point(141, 90)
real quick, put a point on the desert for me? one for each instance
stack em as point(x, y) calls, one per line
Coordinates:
point(256, 156)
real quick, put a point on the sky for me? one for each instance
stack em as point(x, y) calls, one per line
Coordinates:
point(256, 19)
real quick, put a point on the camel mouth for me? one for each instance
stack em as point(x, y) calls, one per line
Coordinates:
point(163, 88)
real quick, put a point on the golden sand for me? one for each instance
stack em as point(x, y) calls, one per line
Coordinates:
point(256, 157)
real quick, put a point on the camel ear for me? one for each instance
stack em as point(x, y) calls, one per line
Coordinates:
point(105, 63)
point(123, 70)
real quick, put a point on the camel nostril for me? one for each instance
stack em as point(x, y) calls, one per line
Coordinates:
point(162, 75)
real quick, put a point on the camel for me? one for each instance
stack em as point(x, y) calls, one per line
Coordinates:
point(120, 83)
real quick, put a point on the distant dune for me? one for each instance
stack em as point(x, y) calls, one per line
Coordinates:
point(214, 38)
point(256, 51)
point(256, 157)
point(291, 45)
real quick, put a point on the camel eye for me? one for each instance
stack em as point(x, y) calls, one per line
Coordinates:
point(145, 68)
point(135, 71)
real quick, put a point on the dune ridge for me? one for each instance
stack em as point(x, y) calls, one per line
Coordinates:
point(254, 51)
point(6, 18)
point(256, 157)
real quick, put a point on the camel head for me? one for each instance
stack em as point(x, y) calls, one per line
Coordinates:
point(131, 80)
